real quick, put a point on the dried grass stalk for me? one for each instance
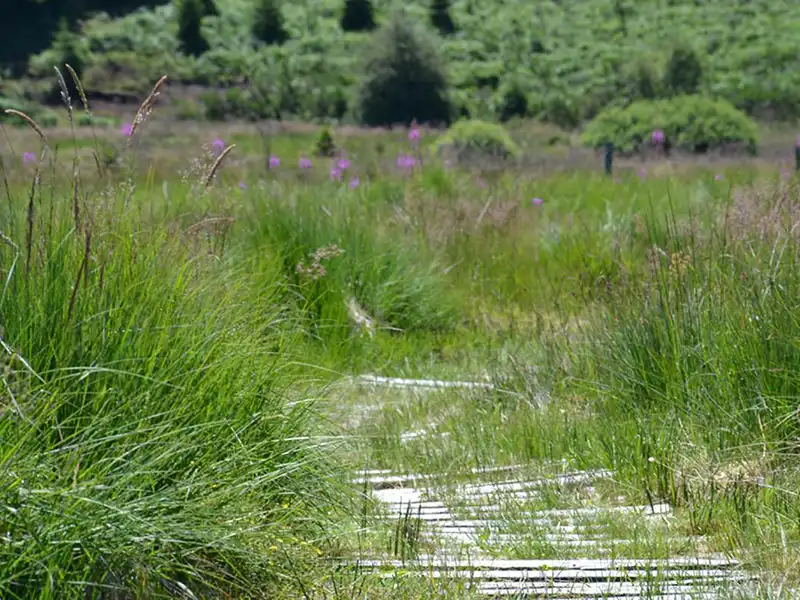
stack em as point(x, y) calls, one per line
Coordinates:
point(65, 97)
point(79, 86)
point(217, 163)
point(147, 106)
point(31, 123)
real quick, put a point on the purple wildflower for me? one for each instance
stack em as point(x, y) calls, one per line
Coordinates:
point(414, 135)
point(658, 137)
point(28, 157)
point(126, 129)
point(274, 162)
point(217, 146)
point(718, 176)
point(537, 201)
point(406, 162)
point(336, 174)
point(242, 185)
point(343, 164)
point(305, 163)
point(354, 183)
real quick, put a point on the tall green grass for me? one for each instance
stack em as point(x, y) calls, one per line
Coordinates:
point(692, 371)
point(150, 445)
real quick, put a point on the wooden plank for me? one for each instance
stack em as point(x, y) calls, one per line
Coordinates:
point(606, 590)
point(400, 382)
point(485, 489)
point(577, 576)
point(586, 564)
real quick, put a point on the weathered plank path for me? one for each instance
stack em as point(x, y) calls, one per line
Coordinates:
point(475, 527)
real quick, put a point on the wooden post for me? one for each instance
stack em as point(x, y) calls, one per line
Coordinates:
point(608, 157)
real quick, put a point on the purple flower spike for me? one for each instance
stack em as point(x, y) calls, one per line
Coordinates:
point(305, 163)
point(336, 174)
point(658, 137)
point(218, 145)
point(414, 135)
point(242, 185)
point(274, 162)
point(343, 164)
point(126, 129)
point(537, 201)
point(354, 183)
point(28, 157)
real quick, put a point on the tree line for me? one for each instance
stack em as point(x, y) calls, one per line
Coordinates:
point(28, 26)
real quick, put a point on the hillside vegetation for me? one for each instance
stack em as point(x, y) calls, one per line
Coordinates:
point(561, 61)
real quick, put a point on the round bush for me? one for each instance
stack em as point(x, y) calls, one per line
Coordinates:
point(691, 123)
point(468, 140)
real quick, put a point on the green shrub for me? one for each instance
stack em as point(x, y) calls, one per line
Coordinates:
point(188, 110)
point(474, 140)
point(691, 123)
point(235, 103)
point(358, 15)
point(190, 17)
point(268, 23)
point(513, 100)
point(641, 81)
point(84, 120)
point(42, 116)
point(559, 109)
point(404, 77)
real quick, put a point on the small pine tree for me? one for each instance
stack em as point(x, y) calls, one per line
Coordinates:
point(190, 17)
point(358, 15)
point(210, 8)
point(684, 71)
point(268, 23)
point(404, 78)
point(325, 145)
point(440, 17)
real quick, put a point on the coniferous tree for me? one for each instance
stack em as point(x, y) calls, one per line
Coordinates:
point(440, 17)
point(210, 8)
point(268, 23)
point(358, 15)
point(684, 71)
point(190, 17)
point(404, 77)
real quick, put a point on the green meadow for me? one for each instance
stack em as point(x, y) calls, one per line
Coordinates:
point(180, 319)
